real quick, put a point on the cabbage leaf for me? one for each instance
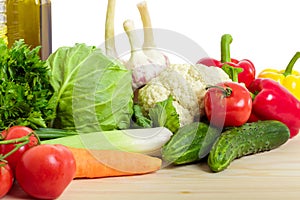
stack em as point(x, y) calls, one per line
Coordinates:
point(92, 92)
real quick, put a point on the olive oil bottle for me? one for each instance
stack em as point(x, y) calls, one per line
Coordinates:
point(30, 20)
point(3, 27)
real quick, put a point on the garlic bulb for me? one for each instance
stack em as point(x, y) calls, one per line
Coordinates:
point(143, 68)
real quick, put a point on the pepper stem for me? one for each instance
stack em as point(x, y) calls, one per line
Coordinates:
point(232, 72)
point(225, 48)
point(289, 68)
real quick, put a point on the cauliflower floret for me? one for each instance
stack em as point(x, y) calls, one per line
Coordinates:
point(152, 93)
point(186, 83)
point(185, 116)
point(212, 75)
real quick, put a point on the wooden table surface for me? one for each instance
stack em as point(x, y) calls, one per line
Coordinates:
point(269, 175)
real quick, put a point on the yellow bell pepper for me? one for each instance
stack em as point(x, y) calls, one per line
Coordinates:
point(288, 78)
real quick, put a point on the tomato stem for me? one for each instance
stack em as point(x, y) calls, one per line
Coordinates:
point(37, 137)
point(16, 140)
point(19, 142)
point(2, 163)
point(17, 147)
point(226, 91)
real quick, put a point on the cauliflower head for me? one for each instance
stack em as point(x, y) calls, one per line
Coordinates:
point(187, 84)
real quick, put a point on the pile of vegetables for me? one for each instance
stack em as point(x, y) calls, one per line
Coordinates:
point(248, 112)
point(44, 171)
point(100, 116)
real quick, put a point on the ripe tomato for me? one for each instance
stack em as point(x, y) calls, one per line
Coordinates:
point(44, 171)
point(15, 132)
point(6, 179)
point(228, 104)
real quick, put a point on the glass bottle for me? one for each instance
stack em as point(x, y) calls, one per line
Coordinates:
point(30, 20)
point(3, 27)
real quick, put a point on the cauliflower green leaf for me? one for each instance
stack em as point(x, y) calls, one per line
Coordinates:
point(164, 114)
point(139, 119)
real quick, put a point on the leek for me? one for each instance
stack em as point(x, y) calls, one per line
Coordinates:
point(147, 140)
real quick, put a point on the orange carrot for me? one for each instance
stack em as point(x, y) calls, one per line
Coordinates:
point(108, 163)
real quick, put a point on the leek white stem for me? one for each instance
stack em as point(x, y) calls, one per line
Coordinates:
point(148, 141)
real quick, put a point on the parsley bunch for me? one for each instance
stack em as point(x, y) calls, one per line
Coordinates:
point(25, 88)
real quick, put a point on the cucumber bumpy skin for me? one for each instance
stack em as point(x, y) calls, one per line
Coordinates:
point(190, 143)
point(247, 139)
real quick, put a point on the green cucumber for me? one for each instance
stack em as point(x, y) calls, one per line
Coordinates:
point(190, 143)
point(247, 139)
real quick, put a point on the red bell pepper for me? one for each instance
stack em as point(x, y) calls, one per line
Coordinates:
point(246, 76)
point(274, 102)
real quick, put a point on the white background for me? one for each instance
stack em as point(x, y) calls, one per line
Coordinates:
point(265, 31)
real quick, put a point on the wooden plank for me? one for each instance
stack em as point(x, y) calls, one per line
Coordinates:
point(269, 175)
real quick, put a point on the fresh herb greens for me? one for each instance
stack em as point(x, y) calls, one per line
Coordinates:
point(25, 88)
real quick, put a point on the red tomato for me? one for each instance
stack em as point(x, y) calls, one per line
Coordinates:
point(6, 179)
point(44, 171)
point(15, 132)
point(228, 104)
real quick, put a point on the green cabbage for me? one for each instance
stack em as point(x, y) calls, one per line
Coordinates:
point(91, 91)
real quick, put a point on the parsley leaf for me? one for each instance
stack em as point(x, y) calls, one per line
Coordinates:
point(25, 88)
